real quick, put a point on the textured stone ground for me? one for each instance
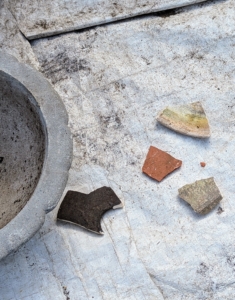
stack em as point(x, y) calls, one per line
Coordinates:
point(113, 80)
point(11, 38)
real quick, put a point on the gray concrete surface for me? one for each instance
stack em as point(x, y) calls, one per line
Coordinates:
point(114, 80)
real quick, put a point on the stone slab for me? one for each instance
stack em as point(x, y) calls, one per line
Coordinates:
point(12, 40)
point(40, 18)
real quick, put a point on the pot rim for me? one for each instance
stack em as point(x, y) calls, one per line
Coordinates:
point(57, 158)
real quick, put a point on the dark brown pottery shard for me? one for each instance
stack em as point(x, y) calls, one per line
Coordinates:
point(86, 210)
point(203, 195)
point(158, 164)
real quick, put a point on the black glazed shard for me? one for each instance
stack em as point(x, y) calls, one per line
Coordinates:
point(1, 159)
point(86, 210)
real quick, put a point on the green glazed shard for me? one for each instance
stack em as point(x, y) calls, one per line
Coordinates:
point(189, 119)
point(203, 195)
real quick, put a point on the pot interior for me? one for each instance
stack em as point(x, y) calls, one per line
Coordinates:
point(22, 147)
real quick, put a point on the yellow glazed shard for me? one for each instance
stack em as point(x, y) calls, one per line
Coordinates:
point(189, 119)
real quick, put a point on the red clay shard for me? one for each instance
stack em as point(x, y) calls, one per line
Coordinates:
point(158, 164)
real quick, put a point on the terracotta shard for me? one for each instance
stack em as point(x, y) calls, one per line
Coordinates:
point(189, 119)
point(158, 164)
point(86, 210)
point(203, 195)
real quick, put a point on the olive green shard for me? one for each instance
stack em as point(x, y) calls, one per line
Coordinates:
point(189, 119)
point(203, 195)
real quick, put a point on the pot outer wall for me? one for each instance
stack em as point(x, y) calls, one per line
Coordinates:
point(57, 154)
